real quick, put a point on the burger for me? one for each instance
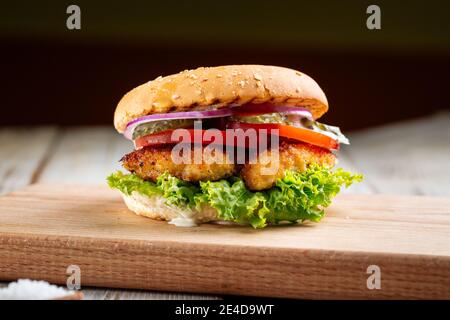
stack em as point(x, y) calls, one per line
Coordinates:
point(230, 144)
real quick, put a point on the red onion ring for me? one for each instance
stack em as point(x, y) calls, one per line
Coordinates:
point(249, 109)
point(225, 112)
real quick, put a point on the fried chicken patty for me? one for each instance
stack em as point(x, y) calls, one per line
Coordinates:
point(271, 165)
point(258, 174)
point(151, 162)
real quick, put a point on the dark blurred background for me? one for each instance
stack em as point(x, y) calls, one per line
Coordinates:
point(52, 75)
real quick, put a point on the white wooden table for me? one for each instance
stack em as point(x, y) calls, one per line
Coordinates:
point(412, 157)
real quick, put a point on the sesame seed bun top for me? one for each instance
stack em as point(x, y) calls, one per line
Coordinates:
point(221, 86)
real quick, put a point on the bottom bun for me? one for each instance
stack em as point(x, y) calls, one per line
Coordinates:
point(155, 208)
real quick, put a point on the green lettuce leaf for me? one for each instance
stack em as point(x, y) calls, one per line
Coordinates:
point(127, 183)
point(177, 192)
point(299, 196)
point(234, 202)
point(303, 195)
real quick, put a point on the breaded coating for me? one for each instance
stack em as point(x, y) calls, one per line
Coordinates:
point(291, 156)
point(151, 162)
point(260, 174)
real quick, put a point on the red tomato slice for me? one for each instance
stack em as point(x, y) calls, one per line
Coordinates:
point(300, 134)
point(165, 137)
point(197, 135)
point(204, 137)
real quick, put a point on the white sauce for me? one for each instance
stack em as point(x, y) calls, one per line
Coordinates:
point(183, 222)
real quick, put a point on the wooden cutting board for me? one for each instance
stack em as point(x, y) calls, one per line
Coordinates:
point(46, 228)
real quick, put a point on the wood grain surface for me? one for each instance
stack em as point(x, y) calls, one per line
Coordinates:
point(46, 227)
